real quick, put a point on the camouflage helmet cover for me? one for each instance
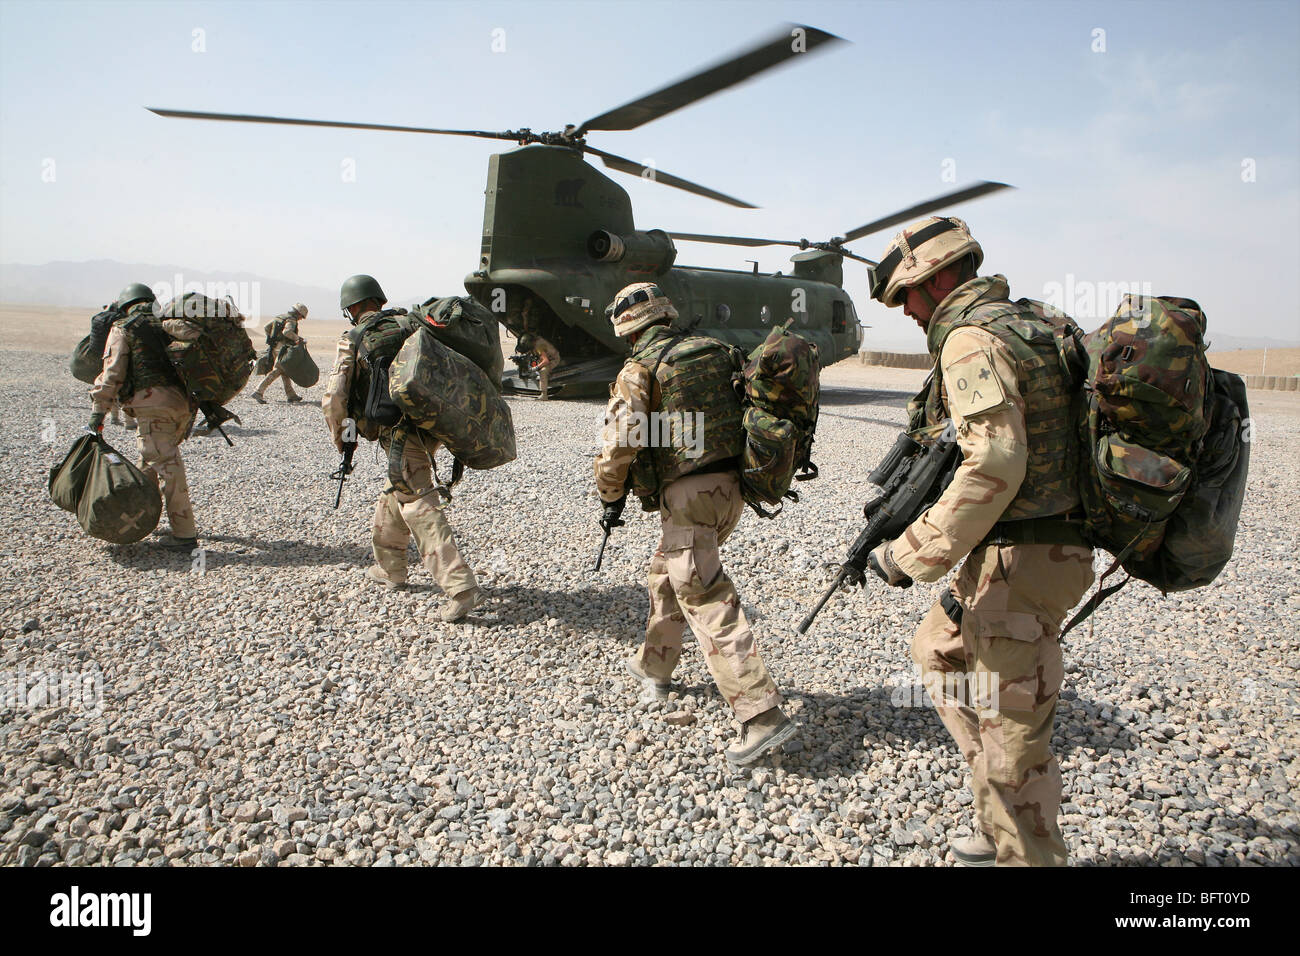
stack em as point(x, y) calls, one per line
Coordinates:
point(358, 288)
point(918, 252)
point(135, 292)
point(300, 310)
point(639, 305)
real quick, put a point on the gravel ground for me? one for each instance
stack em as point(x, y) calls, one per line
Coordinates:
point(274, 708)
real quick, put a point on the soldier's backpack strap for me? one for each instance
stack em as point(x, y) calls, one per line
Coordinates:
point(672, 343)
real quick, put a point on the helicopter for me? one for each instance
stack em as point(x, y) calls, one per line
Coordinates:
point(559, 240)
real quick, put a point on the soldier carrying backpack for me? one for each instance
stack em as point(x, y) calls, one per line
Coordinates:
point(136, 372)
point(357, 402)
point(673, 431)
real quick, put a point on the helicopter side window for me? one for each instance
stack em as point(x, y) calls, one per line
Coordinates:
point(723, 312)
point(839, 317)
point(765, 314)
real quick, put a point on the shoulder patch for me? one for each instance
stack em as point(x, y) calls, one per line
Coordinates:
point(972, 385)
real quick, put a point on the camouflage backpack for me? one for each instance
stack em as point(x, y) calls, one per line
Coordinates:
point(782, 392)
point(441, 393)
point(462, 324)
point(696, 425)
point(1164, 447)
point(377, 339)
point(216, 363)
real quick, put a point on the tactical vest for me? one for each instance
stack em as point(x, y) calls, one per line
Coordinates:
point(376, 339)
point(697, 407)
point(1027, 329)
point(149, 367)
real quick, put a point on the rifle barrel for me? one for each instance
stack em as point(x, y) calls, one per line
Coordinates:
point(600, 555)
point(821, 603)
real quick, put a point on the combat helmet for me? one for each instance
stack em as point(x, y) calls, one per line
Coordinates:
point(300, 310)
point(358, 288)
point(133, 293)
point(918, 252)
point(639, 305)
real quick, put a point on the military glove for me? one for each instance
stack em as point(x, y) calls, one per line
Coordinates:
point(882, 565)
point(612, 515)
point(96, 423)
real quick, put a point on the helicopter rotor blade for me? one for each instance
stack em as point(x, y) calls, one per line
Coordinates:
point(982, 188)
point(287, 121)
point(633, 168)
point(765, 55)
point(731, 240)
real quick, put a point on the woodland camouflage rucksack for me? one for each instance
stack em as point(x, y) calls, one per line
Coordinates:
point(1164, 448)
point(781, 395)
point(697, 422)
point(216, 363)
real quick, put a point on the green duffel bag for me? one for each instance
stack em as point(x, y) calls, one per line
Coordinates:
point(442, 392)
point(298, 365)
point(87, 359)
point(466, 327)
point(120, 503)
point(68, 478)
point(265, 362)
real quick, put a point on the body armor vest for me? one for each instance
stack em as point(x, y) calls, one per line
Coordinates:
point(696, 421)
point(150, 366)
point(1029, 330)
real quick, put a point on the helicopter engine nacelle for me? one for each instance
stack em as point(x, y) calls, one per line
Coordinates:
point(651, 252)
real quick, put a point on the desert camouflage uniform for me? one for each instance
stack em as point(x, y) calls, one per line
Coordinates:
point(548, 360)
point(399, 515)
point(164, 415)
point(288, 336)
point(687, 582)
point(1014, 597)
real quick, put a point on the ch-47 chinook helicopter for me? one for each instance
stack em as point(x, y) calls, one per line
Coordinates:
point(559, 240)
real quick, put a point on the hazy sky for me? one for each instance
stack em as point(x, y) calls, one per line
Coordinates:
point(1152, 143)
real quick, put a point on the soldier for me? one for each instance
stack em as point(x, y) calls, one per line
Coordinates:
point(548, 359)
point(137, 373)
point(1012, 511)
point(397, 515)
point(281, 333)
point(699, 502)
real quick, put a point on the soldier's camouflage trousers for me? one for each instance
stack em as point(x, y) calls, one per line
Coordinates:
point(398, 516)
point(161, 431)
point(271, 376)
point(1014, 599)
point(688, 586)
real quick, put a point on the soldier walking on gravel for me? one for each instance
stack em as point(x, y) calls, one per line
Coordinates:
point(281, 332)
point(699, 501)
point(397, 515)
point(136, 373)
point(1012, 511)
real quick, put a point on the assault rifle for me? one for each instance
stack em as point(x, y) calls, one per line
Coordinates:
point(345, 469)
point(907, 482)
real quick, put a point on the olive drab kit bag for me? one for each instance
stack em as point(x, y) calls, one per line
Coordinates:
point(465, 326)
point(296, 363)
point(781, 402)
point(113, 499)
point(87, 359)
point(1165, 448)
point(699, 413)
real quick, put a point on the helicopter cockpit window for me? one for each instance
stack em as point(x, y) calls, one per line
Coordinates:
point(839, 317)
point(723, 312)
point(765, 314)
